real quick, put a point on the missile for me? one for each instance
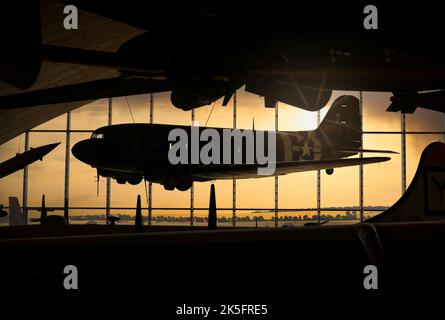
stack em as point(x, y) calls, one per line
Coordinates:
point(21, 160)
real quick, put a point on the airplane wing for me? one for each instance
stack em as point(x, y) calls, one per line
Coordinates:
point(91, 90)
point(246, 171)
point(288, 92)
point(354, 151)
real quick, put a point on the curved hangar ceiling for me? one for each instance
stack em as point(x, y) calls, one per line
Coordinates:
point(96, 32)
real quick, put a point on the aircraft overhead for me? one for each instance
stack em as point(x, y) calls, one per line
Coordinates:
point(95, 34)
point(296, 54)
point(133, 152)
point(409, 102)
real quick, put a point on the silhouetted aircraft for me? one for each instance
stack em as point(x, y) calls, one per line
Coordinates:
point(409, 102)
point(18, 162)
point(202, 51)
point(132, 152)
point(21, 160)
point(424, 199)
point(16, 216)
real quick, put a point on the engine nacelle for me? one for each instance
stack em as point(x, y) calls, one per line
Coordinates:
point(409, 102)
point(195, 97)
point(310, 99)
point(179, 185)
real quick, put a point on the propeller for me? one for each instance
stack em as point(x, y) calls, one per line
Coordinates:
point(97, 182)
point(146, 190)
point(146, 198)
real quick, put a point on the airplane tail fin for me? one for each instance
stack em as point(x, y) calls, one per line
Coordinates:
point(341, 126)
point(424, 200)
point(16, 217)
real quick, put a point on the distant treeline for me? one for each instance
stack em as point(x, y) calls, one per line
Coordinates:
point(348, 215)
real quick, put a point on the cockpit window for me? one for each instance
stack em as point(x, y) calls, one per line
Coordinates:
point(97, 136)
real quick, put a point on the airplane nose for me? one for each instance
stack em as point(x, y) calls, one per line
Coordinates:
point(84, 151)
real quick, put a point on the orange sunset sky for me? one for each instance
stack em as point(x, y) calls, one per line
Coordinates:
point(382, 181)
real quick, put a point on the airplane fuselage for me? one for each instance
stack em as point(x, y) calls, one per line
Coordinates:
point(130, 152)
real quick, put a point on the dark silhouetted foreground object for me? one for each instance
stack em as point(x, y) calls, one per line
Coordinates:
point(50, 220)
point(424, 198)
point(113, 220)
point(409, 102)
point(138, 227)
point(43, 212)
point(287, 67)
point(3, 213)
point(32, 257)
point(55, 221)
point(21, 59)
point(212, 209)
point(66, 212)
point(315, 224)
point(32, 264)
point(370, 239)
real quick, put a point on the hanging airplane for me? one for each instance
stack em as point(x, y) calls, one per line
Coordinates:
point(409, 102)
point(21, 160)
point(133, 152)
point(295, 54)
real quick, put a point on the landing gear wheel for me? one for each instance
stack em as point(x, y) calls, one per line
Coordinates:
point(169, 187)
point(135, 180)
point(121, 180)
point(184, 186)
